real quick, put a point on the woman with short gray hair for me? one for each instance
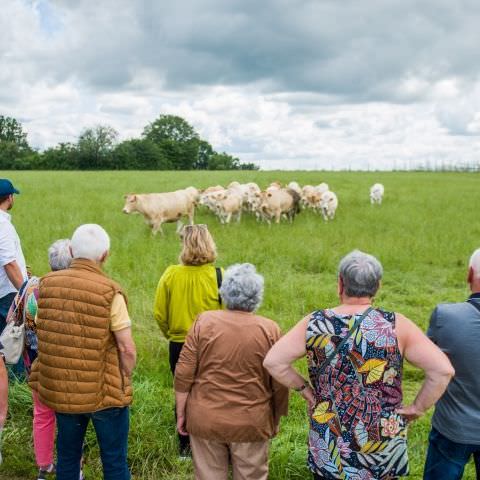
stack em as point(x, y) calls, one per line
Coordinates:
point(60, 254)
point(361, 274)
point(24, 310)
point(226, 401)
point(355, 352)
point(242, 288)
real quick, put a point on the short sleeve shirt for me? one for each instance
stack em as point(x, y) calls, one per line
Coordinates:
point(119, 318)
point(10, 250)
point(455, 328)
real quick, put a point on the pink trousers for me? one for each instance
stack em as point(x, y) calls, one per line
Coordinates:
point(43, 432)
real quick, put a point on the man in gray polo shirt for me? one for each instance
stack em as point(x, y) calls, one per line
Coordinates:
point(455, 434)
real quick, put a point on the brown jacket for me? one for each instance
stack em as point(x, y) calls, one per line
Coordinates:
point(78, 368)
point(232, 397)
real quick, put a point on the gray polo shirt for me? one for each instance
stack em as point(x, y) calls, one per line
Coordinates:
point(455, 328)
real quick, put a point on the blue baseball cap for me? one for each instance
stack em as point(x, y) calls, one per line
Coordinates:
point(7, 188)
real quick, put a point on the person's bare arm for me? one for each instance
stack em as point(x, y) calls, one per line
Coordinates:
point(14, 274)
point(126, 349)
point(280, 393)
point(3, 393)
point(421, 352)
point(279, 359)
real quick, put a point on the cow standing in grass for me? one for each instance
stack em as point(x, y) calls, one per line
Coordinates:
point(230, 205)
point(328, 205)
point(277, 202)
point(159, 208)
point(376, 193)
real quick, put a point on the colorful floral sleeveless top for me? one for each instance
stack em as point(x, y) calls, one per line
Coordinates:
point(355, 433)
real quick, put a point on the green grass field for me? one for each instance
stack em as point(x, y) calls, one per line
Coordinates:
point(423, 234)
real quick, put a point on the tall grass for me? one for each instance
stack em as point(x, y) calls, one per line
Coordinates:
point(423, 234)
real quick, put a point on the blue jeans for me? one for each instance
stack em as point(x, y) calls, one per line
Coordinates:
point(111, 427)
point(15, 372)
point(5, 303)
point(446, 460)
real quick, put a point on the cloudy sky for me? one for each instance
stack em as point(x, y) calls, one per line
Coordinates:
point(297, 84)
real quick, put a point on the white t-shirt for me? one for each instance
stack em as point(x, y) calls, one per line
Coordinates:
point(10, 250)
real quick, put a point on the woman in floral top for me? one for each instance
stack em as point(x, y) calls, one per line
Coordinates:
point(358, 426)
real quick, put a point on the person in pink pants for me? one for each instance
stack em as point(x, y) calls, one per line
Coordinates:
point(43, 432)
point(24, 309)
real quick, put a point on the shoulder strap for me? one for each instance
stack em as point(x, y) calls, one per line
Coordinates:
point(12, 313)
point(354, 328)
point(218, 271)
point(475, 304)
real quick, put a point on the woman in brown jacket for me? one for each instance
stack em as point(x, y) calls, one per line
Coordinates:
point(226, 400)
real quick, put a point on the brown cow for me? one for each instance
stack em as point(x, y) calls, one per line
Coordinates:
point(275, 203)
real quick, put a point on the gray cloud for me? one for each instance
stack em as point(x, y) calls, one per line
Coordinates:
point(356, 50)
point(296, 81)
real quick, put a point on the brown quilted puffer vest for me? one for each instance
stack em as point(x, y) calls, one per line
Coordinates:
point(78, 368)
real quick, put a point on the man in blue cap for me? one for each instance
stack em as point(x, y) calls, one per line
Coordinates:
point(13, 270)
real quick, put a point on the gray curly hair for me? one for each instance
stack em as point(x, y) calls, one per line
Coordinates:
point(59, 255)
point(242, 288)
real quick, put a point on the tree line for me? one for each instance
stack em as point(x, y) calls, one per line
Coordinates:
point(167, 143)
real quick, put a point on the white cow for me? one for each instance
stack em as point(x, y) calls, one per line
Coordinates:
point(322, 188)
point(253, 187)
point(274, 186)
point(376, 193)
point(193, 193)
point(328, 205)
point(308, 194)
point(295, 187)
point(158, 208)
point(229, 204)
point(211, 198)
point(240, 189)
point(216, 188)
point(251, 197)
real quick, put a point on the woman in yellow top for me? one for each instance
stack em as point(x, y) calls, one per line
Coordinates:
point(186, 290)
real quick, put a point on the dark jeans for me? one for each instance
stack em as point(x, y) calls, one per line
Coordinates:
point(5, 303)
point(174, 349)
point(446, 460)
point(15, 372)
point(111, 426)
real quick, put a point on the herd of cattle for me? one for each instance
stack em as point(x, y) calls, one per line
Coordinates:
point(275, 202)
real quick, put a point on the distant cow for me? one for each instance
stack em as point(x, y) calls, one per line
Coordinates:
point(322, 188)
point(233, 184)
point(274, 186)
point(229, 205)
point(193, 193)
point(328, 205)
point(216, 188)
point(376, 193)
point(211, 199)
point(295, 186)
point(249, 200)
point(308, 196)
point(277, 202)
point(158, 208)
